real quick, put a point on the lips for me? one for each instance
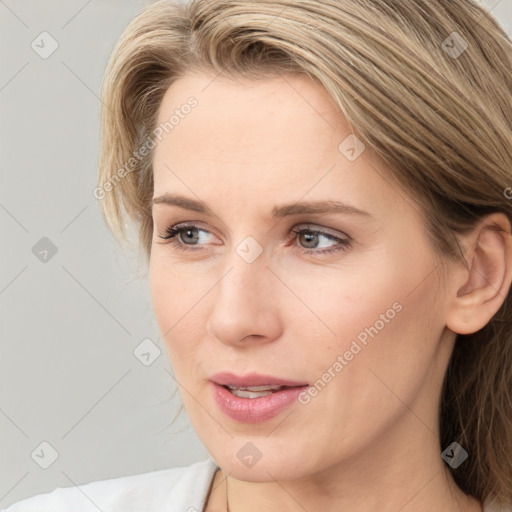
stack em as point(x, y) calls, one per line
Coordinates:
point(253, 379)
point(254, 398)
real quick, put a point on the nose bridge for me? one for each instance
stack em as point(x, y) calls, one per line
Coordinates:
point(246, 275)
point(242, 303)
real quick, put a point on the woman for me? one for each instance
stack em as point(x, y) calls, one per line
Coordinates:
point(323, 193)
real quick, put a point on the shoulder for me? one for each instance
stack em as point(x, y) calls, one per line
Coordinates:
point(178, 489)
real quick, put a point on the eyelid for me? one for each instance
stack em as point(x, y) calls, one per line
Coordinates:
point(343, 241)
point(298, 227)
point(323, 230)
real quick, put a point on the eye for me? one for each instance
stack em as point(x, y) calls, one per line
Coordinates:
point(174, 235)
point(310, 236)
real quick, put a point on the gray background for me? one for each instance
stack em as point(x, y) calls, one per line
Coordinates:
point(71, 322)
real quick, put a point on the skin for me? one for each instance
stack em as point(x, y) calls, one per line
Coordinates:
point(369, 440)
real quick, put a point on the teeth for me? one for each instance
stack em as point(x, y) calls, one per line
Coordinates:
point(252, 391)
point(250, 394)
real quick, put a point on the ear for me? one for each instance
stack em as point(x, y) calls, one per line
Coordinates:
point(480, 288)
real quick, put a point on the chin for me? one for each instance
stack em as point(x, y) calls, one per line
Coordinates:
point(260, 460)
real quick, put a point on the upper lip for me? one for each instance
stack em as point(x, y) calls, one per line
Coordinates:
point(252, 379)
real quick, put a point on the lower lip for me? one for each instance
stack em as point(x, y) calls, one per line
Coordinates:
point(254, 410)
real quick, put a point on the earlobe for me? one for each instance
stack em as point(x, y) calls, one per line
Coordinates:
point(480, 289)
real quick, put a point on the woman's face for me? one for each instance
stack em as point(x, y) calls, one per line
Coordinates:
point(242, 299)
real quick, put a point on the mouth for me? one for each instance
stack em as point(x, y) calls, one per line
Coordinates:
point(254, 398)
point(254, 391)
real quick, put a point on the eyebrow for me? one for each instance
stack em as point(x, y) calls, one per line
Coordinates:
point(311, 207)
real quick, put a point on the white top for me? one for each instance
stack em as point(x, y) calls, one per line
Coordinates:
point(183, 489)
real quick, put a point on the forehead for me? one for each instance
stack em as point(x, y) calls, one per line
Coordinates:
point(279, 120)
point(274, 89)
point(268, 107)
point(275, 139)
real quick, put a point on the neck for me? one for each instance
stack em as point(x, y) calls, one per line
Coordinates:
point(412, 477)
point(437, 493)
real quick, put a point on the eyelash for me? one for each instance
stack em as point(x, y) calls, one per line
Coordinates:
point(171, 234)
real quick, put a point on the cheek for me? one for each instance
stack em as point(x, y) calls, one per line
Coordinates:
point(180, 297)
point(173, 304)
point(162, 288)
point(383, 352)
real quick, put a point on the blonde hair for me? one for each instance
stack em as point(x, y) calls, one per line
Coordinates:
point(426, 84)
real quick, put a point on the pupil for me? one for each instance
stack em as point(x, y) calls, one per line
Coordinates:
point(309, 237)
point(188, 234)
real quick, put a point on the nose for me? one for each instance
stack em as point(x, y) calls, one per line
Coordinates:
point(246, 309)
